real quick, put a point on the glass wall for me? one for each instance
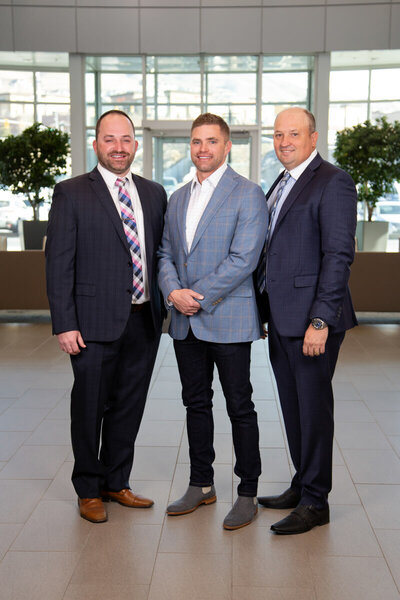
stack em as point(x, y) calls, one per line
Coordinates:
point(366, 85)
point(247, 91)
point(34, 87)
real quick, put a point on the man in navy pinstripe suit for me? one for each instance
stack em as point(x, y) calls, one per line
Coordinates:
point(111, 334)
point(214, 231)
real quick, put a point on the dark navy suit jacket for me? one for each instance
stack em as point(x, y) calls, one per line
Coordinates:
point(311, 250)
point(89, 267)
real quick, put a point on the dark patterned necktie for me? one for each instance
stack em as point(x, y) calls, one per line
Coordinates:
point(130, 228)
point(262, 265)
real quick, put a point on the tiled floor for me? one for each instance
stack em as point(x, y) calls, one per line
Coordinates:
point(49, 553)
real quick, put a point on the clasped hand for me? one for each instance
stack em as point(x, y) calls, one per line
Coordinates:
point(185, 301)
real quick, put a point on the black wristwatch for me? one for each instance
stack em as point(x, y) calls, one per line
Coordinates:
point(318, 323)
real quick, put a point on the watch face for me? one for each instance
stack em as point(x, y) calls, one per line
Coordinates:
point(317, 323)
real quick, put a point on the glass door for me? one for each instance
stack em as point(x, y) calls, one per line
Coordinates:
point(166, 156)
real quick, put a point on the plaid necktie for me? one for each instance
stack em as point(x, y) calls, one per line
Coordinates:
point(130, 228)
point(262, 265)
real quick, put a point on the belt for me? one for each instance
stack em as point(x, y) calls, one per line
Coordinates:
point(138, 307)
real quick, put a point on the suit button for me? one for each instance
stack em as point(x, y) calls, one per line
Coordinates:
point(185, 264)
point(129, 291)
point(129, 264)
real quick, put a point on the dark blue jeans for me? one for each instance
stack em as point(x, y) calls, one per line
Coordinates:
point(196, 360)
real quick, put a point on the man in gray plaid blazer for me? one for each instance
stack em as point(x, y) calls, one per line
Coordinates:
point(214, 231)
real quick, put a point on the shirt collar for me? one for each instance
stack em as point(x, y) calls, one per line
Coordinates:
point(212, 179)
point(110, 177)
point(297, 171)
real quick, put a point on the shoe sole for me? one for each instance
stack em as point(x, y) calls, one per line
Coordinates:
point(233, 527)
point(126, 505)
point(298, 532)
point(190, 510)
point(93, 520)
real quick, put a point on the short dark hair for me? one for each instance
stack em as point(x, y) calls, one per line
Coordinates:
point(114, 111)
point(210, 119)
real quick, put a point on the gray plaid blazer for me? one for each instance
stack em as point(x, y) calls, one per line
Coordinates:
point(224, 253)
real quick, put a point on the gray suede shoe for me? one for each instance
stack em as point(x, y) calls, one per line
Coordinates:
point(242, 513)
point(193, 497)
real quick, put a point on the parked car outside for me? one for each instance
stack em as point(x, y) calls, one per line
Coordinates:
point(390, 212)
point(12, 210)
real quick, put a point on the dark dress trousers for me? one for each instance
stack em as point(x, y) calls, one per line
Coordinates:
point(308, 267)
point(89, 286)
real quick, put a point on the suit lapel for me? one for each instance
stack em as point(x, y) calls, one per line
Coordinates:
point(296, 190)
point(181, 213)
point(101, 190)
point(224, 188)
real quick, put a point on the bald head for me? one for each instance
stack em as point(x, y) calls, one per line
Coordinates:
point(295, 137)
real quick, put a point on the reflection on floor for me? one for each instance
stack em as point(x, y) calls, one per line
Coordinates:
point(49, 553)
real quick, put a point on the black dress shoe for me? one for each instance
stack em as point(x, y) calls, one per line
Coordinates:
point(289, 499)
point(301, 519)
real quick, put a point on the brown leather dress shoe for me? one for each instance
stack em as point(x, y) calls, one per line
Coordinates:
point(92, 509)
point(127, 498)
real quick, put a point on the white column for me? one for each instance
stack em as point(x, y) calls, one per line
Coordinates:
point(321, 100)
point(78, 113)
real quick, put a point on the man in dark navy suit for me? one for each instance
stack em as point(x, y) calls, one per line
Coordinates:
point(103, 234)
point(303, 277)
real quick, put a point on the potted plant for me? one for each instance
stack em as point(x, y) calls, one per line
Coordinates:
point(29, 163)
point(370, 153)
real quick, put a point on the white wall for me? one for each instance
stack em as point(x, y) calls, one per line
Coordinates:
point(192, 26)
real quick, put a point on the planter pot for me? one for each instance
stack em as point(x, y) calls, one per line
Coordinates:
point(31, 234)
point(372, 236)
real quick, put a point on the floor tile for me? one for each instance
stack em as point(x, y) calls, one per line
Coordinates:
point(266, 410)
point(352, 577)
point(144, 554)
point(10, 441)
point(118, 552)
point(352, 411)
point(164, 410)
point(373, 466)
point(36, 575)
point(271, 435)
point(54, 526)
point(18, 498)
point(275, 466)
point(343, 488)
point(349, 533)
point(389, 541)
point(389, 422)
point(51, 432)
point(100, 590)
point(200, 532)
point(360, 436)
point(158, 433)
point(154, 463)
point(8, 533)
point(270, 593)
point(35, 462)
point(22, 419)
point(207, 576)
point(40, 398)
point(262, 559)
point(381, 503)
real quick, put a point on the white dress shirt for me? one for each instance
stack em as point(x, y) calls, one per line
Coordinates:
point(110, 179)
point(294, 175)
point(200, 195)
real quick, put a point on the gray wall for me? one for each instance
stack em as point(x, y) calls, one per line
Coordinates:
point(192, 26)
